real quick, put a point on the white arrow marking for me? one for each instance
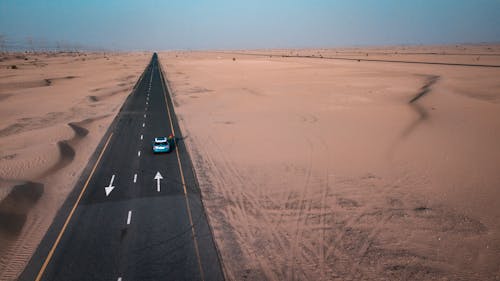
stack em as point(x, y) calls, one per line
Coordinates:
point(129, 218)
point(135, 178)
point(110, 187)
point(158, 177)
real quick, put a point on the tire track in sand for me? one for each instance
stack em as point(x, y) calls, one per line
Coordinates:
point(244, 208)
point(302, 215)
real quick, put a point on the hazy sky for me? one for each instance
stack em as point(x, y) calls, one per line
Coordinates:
point(185, 24)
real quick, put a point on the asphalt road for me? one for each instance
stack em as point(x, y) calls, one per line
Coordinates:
point(145, 228)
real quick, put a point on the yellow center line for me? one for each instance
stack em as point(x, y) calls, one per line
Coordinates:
point(182, 177)
point(63, 229)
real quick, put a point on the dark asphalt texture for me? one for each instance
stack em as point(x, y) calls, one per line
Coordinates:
point(158, 244)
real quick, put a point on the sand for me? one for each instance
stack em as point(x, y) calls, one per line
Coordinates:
point(54, 110)
point(310, 168)
point(324, 169)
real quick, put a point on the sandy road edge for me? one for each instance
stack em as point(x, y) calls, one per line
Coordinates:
point(190, 152)
point(38, 258)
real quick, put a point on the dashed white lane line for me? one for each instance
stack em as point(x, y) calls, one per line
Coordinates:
point(143, 125)
point(142, 137)
point(129, 217)
point(139, 153)
point(119, 279)
point(135, 178)
point(144, 115)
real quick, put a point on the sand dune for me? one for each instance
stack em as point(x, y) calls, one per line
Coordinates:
point(319, 169)
point(52, 118)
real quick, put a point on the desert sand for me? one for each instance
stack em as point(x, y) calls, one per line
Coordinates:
point(332, 169)
point(54, 110)
point(312, 167)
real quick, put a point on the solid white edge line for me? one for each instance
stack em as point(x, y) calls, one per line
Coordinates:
point(129, 217)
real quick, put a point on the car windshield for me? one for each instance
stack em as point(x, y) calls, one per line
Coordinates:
point(160, 143)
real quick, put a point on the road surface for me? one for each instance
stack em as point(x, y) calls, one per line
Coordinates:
point(133, 215)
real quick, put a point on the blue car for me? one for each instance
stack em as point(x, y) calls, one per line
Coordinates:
point(161, 145)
